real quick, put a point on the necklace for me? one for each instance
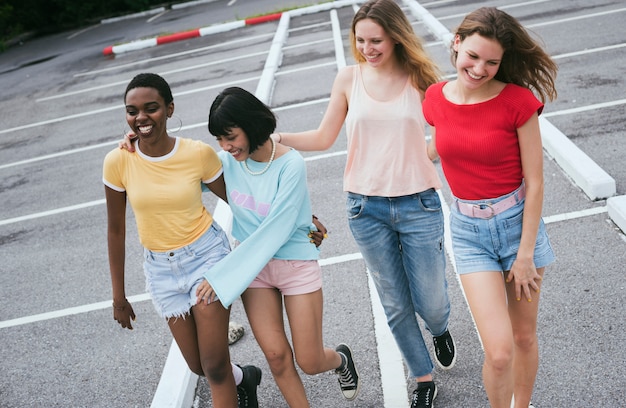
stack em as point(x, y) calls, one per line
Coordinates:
point(269, 163)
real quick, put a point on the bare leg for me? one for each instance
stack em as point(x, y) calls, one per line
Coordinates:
point(265, 313)
point(305, 319)
point(486, 296)
point(526, 361)
point(203, 341)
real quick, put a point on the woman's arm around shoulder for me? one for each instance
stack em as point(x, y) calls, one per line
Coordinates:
point(325, 135)
point(218, 187)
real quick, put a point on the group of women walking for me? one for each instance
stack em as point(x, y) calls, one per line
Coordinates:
point(485, 132)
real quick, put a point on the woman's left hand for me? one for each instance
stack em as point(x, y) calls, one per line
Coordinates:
point(127, 143)
point(525, 277)
point(318, 236)
point(205, 293)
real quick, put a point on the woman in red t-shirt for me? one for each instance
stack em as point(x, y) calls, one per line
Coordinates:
point(486, 131)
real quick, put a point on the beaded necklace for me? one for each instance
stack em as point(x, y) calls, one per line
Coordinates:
point(269, 163)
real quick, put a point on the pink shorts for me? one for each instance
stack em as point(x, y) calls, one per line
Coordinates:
point(290, 277)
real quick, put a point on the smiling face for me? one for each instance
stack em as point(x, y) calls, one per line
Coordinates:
point(236, 143)
point(146, 113)
point(373, 43)
point(478, 60)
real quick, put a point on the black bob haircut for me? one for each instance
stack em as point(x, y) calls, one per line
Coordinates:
point(237, 108)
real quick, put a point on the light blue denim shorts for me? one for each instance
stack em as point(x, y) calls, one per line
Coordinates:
point(492, 244)
point(172, 277)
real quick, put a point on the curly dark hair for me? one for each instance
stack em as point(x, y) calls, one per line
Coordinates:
point(148, 80)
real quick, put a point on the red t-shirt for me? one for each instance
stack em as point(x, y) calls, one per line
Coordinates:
point(478, 143)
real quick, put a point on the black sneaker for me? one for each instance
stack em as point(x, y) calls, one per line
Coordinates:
point(348, 376)
point(246, 391)
point(445, 351)
point(424, 395)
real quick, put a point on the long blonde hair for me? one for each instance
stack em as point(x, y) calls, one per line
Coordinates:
point(409, 49)
point(524, 62)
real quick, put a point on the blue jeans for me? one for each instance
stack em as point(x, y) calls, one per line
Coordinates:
point(402, 242)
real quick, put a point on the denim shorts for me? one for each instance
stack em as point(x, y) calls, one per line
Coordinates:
point(290, 277)
point(482, 245)
point(172, 277)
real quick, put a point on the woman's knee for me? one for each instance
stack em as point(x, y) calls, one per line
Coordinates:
point(279, 359)
point(196, 369)
point(499, 356)
point(309, 364)
point(216, 370)
point(525, 340)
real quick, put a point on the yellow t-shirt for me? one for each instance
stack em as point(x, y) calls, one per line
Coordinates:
point(165, 192)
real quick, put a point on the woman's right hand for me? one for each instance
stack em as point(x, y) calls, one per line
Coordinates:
point(127, 143)
point(123, 313)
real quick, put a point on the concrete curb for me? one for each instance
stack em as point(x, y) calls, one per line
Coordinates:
point(616, 207)
point(590, 177)
point(185, 35)
point(213, 29)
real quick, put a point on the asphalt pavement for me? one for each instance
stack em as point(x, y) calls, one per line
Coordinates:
point(61, 111)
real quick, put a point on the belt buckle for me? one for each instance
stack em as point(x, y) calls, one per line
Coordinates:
point(489, 206)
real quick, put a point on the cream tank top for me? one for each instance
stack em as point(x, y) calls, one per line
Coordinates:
point(386, 144)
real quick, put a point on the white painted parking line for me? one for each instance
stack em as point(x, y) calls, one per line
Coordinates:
point(306, 68)
point(175, 71)
point(130, 16)
point(503, 7)
point(120, 106)
point(574, 215)
point(170, 56)
point(151, 19)
point(608, 104)
point(52, 212)
point(190, 4)
point(589, 51)
point(390, 360)
point(60, 119)
point(55, 155)
point(68, 312)
point(570, 19)
point(79, 32)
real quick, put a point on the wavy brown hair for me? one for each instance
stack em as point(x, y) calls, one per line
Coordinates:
point(409, 49)
point(524, 62)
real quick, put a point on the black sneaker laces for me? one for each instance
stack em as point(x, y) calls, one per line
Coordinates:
point(423, 396)
point(345, 378)
point(242, 396)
